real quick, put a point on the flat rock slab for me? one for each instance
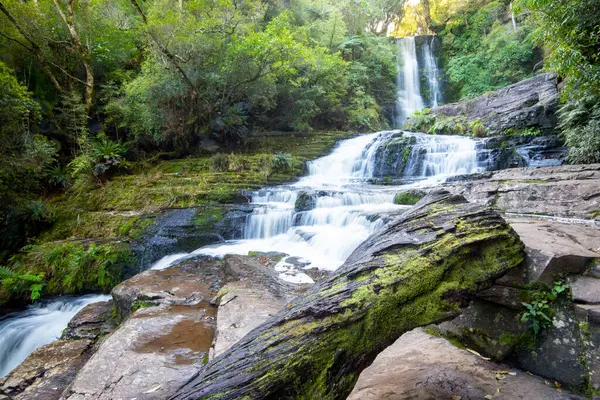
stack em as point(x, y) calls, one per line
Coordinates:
point(241, 309)
point(555, 248)
point(421, 366)
point(149, 356)
point(165, 340)
point(586, 290)
point(47, 371)
point(571, 191)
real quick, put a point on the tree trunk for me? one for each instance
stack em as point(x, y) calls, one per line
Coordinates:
point(84, 52)
point(420, 269)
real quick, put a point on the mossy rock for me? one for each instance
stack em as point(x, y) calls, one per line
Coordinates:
point(409, 198)
point(420, 269)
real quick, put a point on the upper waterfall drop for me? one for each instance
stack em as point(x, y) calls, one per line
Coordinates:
point(409, 97)
point(417, 64)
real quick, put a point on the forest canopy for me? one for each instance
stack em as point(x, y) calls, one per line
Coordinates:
point(91, 86)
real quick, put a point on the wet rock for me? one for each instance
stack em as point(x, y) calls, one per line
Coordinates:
point(392, 156)
point(503, 152)
point(305, 201)
point(407, 274)
point(184, 284)
point(175, 231)
point(531, 103)
point(166, 338)
point(47, 371)
point(421, 366)
point(93, 321)
point(489, 328)
point(242, 307)
point(564, 191)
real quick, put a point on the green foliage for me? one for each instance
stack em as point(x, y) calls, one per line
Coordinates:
point(483, 52)
point(21, 285)
point(539, 312)
point(478, 129)
point(66, 268)
point(282, 162)
point(219, 162)
point(580, 124)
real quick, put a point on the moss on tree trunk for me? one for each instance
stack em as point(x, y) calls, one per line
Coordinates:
point(420, 269)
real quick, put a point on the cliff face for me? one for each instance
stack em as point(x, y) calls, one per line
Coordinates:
point(531, 103)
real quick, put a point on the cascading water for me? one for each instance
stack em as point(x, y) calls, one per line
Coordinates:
point(432, 73)
point(441, 156)
point(21, 333)
point(413, 65)
point(409, 85)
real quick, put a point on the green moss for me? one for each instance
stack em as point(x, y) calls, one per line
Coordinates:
point(139, 304)
point(408, 198)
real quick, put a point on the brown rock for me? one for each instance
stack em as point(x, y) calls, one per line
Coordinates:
point(93, 321)
point(47, 371)
point(421, 366)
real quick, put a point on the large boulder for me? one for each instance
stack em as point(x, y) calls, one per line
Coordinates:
point(421, 268)
point(566, 351)
point(531, 103)
point(166, 336)
point(93, 321)
point(425, 367)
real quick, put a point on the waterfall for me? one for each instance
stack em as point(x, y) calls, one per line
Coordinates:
point(415, 67)
point(408, 80)
point(22, 333)
point(432, 73)
point(441, 156)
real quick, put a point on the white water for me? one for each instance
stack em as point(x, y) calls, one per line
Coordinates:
point(22, 333)
point(432, 74)
point(409, 85)
point(439, 157)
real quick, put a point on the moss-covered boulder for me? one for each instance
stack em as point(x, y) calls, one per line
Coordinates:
point(392, 156)
point(305, 201)
point(421, 268)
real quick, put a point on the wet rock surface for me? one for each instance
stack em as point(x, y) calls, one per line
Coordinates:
point(556, 251)
point(529, 103)
point(421, 366)
point(47, 371)
point(165, 339)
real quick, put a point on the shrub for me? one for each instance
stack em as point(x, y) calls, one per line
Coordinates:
point(21, 285)
point(282, 162)
point(108, 156)
point(238, 163)
point(219, 162)
point(478, 129)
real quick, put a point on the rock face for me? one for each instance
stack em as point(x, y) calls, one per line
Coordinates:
point(566, 351)
point(503, 152)
point(91, 322)
point(530, 103)
point(46, 372)
point(419, 269)
point(425, 367)
point(165, 340)
point(562, 191)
